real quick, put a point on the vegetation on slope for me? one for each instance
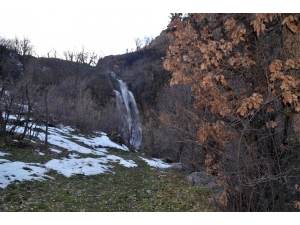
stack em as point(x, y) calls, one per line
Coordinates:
point(140, 188)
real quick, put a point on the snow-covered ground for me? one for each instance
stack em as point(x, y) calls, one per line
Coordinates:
point(73, 164)
point(156, 163)
point(3, 154)
point(11, 171)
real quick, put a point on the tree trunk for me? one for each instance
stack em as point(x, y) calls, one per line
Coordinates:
point(3, 128)
point(28, 114)
point(47, 117)
point(291, 44)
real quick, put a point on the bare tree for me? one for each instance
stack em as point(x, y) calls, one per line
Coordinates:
point(23, 47)
point(84, 57)
point(69, 55)
point(54, 53)
point(147, 41)
point(138, 43)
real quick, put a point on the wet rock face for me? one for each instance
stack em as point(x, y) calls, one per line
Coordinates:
point(201, 179)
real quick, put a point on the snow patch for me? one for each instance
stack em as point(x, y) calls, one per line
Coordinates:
point(3, 153)
point(59, 140)
point(55, 150)
point(156, 163)
point(102, 141)
point(85, 166)
point(57, 137)
point(40, 153)
point(20, 171)
point(12, 171)
point(73, 155)
point(126, 163)
point(69, 167)
point(4, 160)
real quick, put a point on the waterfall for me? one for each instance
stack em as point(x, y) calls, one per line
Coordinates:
point(127, 107)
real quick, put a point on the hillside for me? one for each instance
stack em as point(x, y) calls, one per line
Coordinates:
point(217, 94)
point(83, 92)
point(91, 173)
point(142, 70)
point(52, 158)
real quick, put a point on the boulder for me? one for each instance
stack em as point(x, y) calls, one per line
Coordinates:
point(203, 180)
point(116, 137)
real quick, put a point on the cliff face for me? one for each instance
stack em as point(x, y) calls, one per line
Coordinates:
point(142, 70)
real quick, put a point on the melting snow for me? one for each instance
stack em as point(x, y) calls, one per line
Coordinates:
point(60, 137)
point(73, 155)
point(126, 163)
point(20, 171)
point(57, 138)
point(102, 141)
point(40, 153)
point(156, 163)
point(69, 167)
point(85, 166)
point(4, 160)
point(11, 117)
point(74, 163)
point(3, 153)
point(54, 150)
point(12, 171)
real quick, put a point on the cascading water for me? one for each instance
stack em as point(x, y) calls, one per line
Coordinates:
point(127, 107)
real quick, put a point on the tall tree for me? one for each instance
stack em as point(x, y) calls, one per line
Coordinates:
point(234, 63)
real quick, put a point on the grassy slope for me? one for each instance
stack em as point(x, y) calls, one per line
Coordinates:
point(124, 189)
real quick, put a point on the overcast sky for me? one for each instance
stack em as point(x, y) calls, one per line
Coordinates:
point(107, 27)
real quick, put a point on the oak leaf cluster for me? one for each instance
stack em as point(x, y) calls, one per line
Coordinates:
point(243, 72)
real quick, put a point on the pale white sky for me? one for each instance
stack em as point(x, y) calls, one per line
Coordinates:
point(107, 27)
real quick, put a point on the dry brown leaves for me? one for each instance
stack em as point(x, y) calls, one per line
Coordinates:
point(209, 62)
point(270, 108)
point(212, 165)
point(214, 130)
point(222, 199)
point(209, 159)
point(203, 132)
point(221, 79)
point(275, 66)
point(250, 104)
point(297, 204)
point(271, 124)
point(230, 24)
point(237, 35)
point(260, 19)
point(289, 85)
point(240, 61)
point(291, 22)
point(258, 24)
point(289, 64)
point(220, 104)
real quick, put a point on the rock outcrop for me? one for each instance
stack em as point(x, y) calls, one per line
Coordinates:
point(203, 180)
